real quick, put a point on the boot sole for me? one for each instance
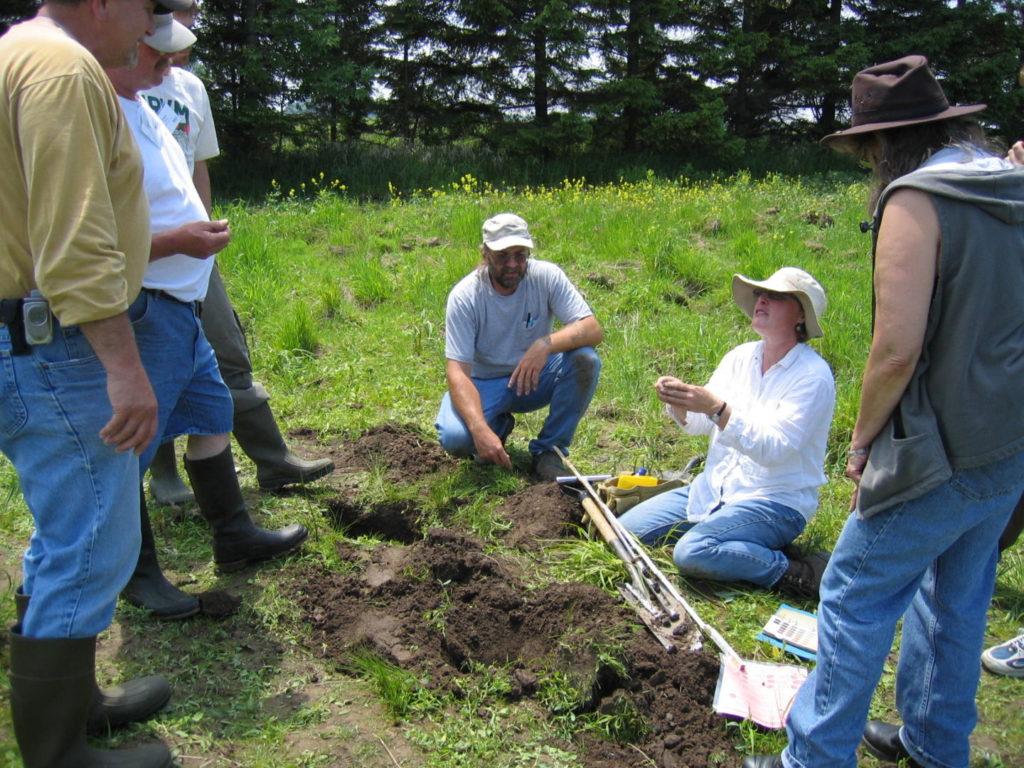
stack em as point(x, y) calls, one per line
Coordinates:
point(276, 484)
point(237, 565)
point(185, 613)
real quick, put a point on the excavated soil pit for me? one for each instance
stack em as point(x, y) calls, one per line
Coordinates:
point(442, 602)
point(388, 521)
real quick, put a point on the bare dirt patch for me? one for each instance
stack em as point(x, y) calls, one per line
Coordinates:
point(440, 601)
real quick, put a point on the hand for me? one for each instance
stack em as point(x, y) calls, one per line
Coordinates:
point(133, 424)
point(201, 239)
point(685, 396)
point(490, 448)
point(526, 376)
point(855, 464)
point(1016, 153)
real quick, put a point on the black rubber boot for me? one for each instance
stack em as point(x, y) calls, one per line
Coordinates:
point(148, 587)
point(165, 483)
point(52, 683)
point(258, 435)
point(132, 702)
point(237, 541)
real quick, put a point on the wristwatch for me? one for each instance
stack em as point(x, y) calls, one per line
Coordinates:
point(717, 415)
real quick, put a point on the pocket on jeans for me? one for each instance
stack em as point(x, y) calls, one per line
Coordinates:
point(12, 408)
point(991, 480)
point(139, 308)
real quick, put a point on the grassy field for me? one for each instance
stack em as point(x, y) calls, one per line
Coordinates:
point(344, 302)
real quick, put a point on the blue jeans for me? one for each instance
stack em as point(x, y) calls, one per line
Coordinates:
point(567, 384)
point(83, 496)
point(192, 397)
point(738, 542)
point(931, 561)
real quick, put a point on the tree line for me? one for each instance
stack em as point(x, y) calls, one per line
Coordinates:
point(557, 77)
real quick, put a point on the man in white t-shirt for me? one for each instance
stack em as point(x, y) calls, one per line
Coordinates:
point(192, 397)
point(183, 105)
point(504, 356)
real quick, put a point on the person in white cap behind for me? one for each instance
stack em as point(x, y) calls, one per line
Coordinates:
point(504, 356)
point(767, 407)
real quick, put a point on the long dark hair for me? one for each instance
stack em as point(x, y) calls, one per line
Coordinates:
point(898, 151)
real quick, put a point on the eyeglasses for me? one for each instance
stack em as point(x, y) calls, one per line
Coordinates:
point(772, 295)
point(518, 256)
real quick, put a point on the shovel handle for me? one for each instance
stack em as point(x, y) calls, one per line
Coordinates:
point(606, 531)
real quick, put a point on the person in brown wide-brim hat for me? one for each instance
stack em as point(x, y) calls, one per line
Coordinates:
point(937, 449)
point(894, 94)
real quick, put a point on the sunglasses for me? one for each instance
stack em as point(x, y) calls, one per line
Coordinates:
point(772, 295)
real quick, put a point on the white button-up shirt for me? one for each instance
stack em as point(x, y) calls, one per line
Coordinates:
point(773, 446)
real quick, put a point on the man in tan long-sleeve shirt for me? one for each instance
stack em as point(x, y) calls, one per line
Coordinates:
point(76, 405)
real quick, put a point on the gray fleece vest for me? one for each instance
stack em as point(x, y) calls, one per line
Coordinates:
point(964, 405)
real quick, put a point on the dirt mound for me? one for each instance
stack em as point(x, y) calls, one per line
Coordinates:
point(400, 448)
point(538, 515)
point(442, 602)
point(439, 603)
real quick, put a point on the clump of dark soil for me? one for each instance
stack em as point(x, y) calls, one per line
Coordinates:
point(400, 448)
point(539, 514)
point(441, 602)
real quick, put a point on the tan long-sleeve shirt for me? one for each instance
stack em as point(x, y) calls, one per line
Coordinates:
point(74, 221)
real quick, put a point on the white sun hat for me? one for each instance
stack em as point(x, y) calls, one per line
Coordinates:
point(789, 280)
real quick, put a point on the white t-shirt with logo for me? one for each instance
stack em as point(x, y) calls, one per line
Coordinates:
point(182, 103)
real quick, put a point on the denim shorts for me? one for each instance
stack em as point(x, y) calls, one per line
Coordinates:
point(182, 370)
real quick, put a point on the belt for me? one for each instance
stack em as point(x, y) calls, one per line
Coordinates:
point(165, 295)
point(195, 306)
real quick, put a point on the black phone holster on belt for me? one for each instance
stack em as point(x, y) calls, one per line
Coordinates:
point(10, 315)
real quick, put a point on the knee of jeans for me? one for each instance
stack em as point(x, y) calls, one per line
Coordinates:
point(457, 443)
point(692, 552)
point(585, 359)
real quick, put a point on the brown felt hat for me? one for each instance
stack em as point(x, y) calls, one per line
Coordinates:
point(901, 92)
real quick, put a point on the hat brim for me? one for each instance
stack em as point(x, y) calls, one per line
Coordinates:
point(170, 38)
point(509, 242)
point(174, 5)
point(743, 294)
point(835, 140)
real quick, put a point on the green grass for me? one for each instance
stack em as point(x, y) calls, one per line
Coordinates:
point(344, 306)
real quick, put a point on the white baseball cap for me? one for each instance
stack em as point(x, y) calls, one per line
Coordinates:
point(506, 230)
point(170, 36)
point(790, 280)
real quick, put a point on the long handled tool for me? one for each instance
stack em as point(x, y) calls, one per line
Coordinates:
point(658, 603)
point(761, 691)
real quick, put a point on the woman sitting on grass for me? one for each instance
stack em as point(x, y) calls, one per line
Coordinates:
point(767, 407)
